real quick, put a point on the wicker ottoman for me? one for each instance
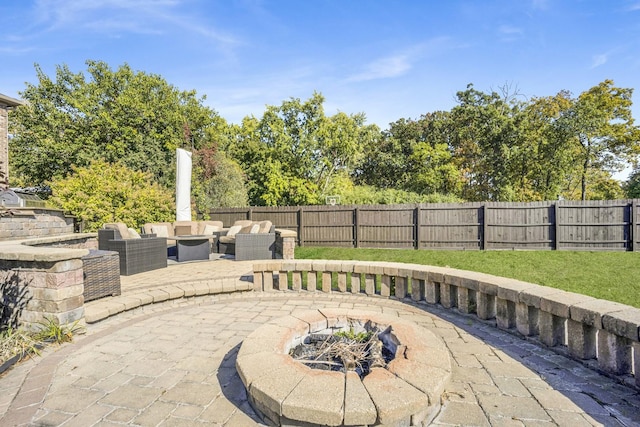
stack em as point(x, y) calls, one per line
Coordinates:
point(101, 274)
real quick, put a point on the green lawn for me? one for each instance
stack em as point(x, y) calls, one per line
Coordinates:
point(613, 276)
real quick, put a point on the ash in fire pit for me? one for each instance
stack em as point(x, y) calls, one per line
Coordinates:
point(357, 348)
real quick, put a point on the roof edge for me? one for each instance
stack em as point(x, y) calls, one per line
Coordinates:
point(7, 101)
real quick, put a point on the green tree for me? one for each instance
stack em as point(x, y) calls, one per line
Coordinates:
point(599, 126)
point(103, 192)
point(293, 152)
point(122, 115)
point(218, 181)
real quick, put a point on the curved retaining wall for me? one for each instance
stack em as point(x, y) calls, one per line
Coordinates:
point(604, 334)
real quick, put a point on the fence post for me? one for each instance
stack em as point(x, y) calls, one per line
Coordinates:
point(249, 214)
point(300, 227)
point(633, 219)
point(356, 222)
point(485, 227)
point(556, 226)
point(417, 227)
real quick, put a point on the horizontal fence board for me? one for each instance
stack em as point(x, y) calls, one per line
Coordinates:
point(562, 225)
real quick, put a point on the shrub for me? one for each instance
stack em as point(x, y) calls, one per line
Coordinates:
point(105, 192)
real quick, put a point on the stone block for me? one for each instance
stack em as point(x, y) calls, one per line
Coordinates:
point(326, 281)
point(432, 292)
point(510, 290)
point(385, 285)
point(591, 311)
point(488, 286)
point(428, 379)
point(296, 278)
point(417, 289)
point(267, 281)
point(318, 398)
point(559, 303)
point(531, 296)
point(448, 295)
point(581, 340)
point(486, 306)
point(395, 399)
point(401, 287)
point(358, 406)
point(312, 281)
point(370, 284)
point(257, 281)
point(527, 319)
point(505, 313)
point(355, 283)
point(466, 300)
point(636, 362)
point(551, 329)
point(625, 323)
point(614, 353)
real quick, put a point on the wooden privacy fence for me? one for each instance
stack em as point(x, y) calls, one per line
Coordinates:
point(552, 225)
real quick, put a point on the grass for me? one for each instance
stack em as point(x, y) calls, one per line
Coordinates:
point(19, 342)
point(613, 276)
point(16, 342)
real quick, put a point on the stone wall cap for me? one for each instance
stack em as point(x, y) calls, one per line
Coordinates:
point(286, 233)
point(19, 252)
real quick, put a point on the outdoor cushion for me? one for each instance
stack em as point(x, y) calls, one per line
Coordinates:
point(133, 233)
point(233, 230)
point(265, 226)
point(160, 230)
point(186, 228)
point(203, 224)
point(210, 229)
point(120, 227)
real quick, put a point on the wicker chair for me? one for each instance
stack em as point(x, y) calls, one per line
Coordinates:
point(136, 255)
point(248, 246)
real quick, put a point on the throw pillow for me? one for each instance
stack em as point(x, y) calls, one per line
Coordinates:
point(233, 230)
point(254, 229)
point(160, 230)
point(183, 230)
point(134, 234)
point(210, 229)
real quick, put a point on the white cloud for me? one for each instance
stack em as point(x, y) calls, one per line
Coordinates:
point(509, 30)
point(598, 60)
point(124, 16)
point(400, 63)
point(634, 7)
point(383, 68)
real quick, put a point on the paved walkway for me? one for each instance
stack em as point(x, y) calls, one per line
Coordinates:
point(173, 363)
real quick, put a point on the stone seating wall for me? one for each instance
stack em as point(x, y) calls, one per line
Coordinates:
point(51, 268)
point(29, 223)
point(602, 334)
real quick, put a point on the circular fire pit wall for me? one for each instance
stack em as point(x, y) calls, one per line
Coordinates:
point(401, 388)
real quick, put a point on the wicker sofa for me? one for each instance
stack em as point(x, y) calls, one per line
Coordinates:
point(248, 240)
point(181, 228)
point(136, 254)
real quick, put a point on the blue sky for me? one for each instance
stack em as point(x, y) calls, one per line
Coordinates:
point(388, 59)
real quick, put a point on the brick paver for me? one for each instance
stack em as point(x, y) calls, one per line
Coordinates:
point(173, 363)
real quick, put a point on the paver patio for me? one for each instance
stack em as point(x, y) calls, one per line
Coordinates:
point(173, 363)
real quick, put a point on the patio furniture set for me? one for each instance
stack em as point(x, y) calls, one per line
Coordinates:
point(124, 251)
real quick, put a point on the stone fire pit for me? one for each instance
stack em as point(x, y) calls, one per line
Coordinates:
point(285, 391)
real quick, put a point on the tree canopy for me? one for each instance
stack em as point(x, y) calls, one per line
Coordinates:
point(491, 146)
point(118, 116)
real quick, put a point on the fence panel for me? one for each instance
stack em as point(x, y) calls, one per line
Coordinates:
point(450, 226)
point(596, 225)
point(328, 226)
point(569, 225)
point(520, 225)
